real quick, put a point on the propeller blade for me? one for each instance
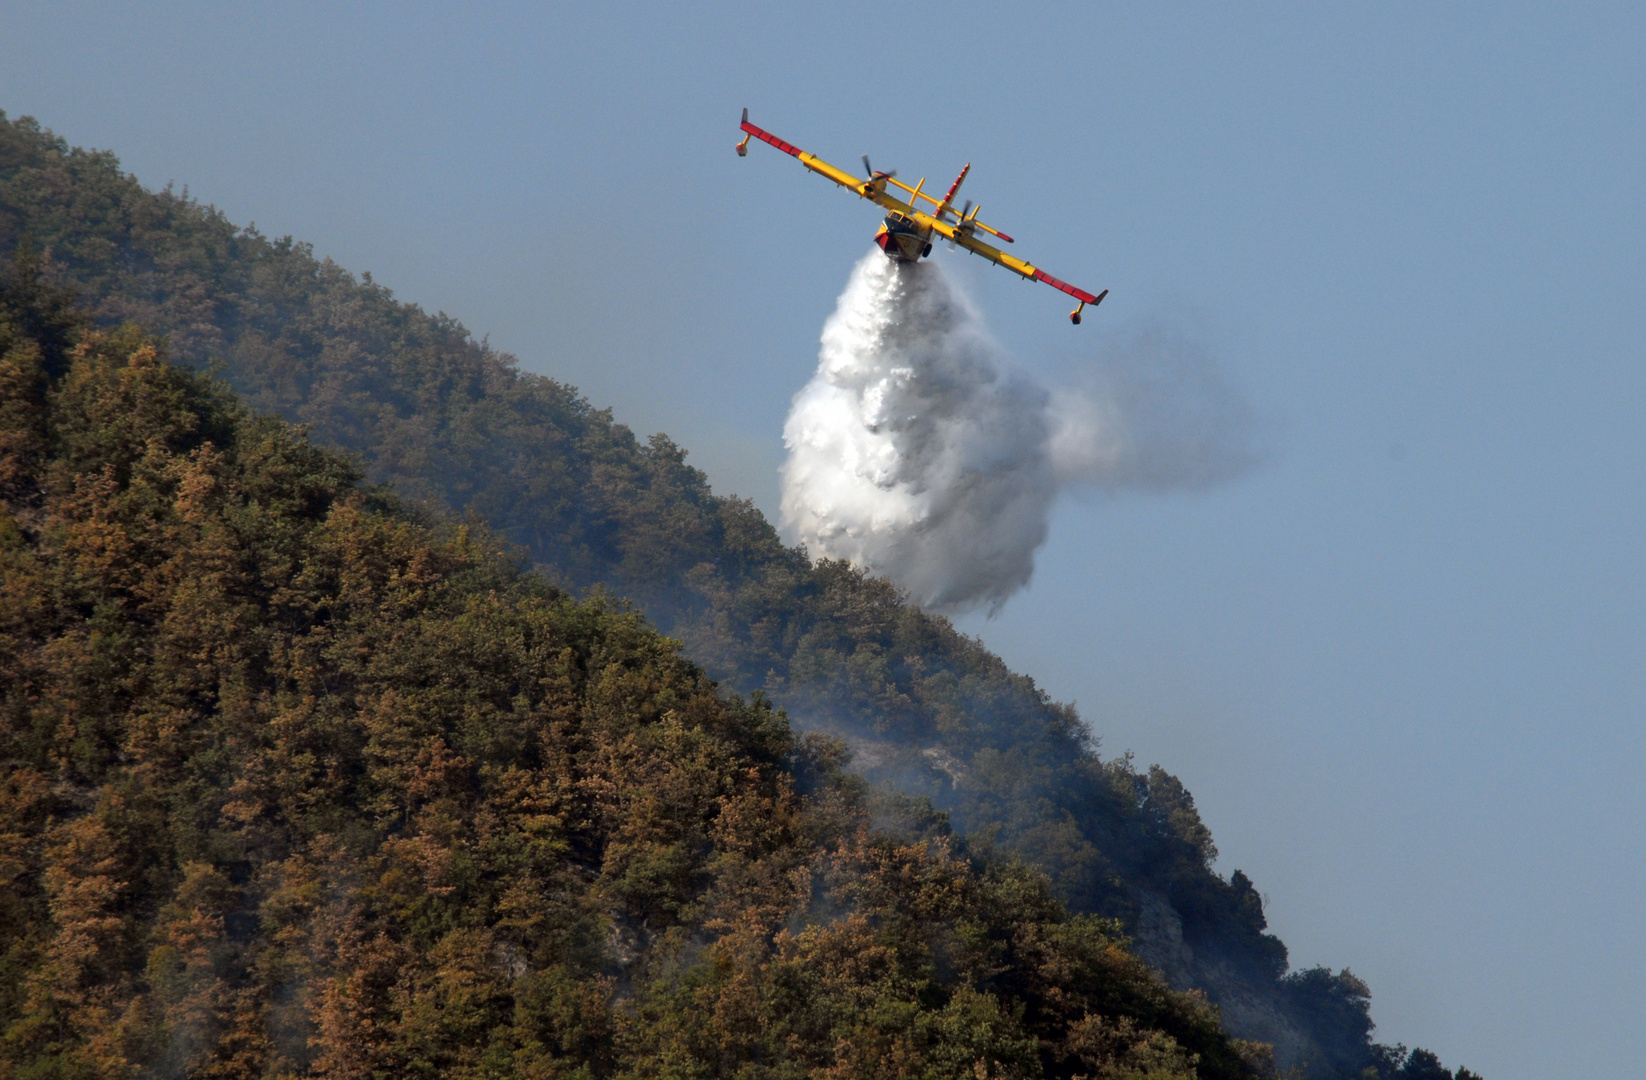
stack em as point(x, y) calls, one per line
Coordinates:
point(966, 211)
point(876, 175)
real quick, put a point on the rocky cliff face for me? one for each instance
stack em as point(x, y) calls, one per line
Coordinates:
point(1250, 1009)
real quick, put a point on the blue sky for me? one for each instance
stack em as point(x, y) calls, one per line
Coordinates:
point(1401, 666)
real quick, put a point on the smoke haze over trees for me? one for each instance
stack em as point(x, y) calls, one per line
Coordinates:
point(456, 428)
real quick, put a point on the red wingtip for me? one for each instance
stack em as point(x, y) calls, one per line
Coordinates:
point(767, 137)
point(1063, 286)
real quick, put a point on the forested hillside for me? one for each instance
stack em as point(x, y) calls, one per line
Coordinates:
point(296, 785)
point(457, 427)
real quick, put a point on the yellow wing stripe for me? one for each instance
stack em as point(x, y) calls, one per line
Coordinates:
point(1010, 262)
point(823, 168)
point(978, 247)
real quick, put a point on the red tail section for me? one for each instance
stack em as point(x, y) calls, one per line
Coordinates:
point(948, 200)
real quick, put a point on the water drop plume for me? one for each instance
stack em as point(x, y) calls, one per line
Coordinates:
point(912, 452)
point(919, 453)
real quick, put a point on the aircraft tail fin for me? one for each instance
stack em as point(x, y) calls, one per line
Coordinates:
point(954, 189)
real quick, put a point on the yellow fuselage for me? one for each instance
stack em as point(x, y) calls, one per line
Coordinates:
point(902, 239)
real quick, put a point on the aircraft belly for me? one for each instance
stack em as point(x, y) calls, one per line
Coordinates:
point(900, 242)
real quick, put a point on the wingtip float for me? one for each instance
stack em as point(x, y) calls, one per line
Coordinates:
point(906, 233)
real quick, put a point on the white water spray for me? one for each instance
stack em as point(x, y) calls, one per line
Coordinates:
point(917, 453)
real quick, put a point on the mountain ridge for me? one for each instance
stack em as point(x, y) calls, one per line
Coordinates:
point(451, 423)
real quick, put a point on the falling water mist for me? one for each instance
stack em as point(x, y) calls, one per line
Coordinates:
point(917, 451)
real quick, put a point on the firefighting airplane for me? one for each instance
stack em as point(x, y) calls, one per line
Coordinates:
point(906, 234)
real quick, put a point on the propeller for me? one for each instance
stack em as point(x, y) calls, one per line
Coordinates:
point(962, 223)
point(874, 175)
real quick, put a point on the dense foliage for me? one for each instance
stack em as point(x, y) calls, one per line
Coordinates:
point(455, 426)
point(295, 785)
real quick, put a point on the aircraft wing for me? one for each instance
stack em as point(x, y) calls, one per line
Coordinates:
point(873, 188)
point(1013, 263)
point(816, 164)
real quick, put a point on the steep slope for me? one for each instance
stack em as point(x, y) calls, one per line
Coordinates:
point(293, 785)
point(453, 424)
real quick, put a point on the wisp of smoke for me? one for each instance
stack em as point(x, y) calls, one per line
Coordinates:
point(918, 453)
point(1154, 413)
